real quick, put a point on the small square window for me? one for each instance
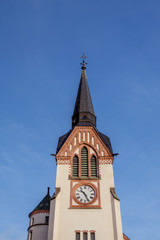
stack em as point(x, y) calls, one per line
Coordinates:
point(47, 219)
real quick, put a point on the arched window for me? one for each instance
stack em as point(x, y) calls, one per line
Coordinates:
point(75, 168)
point(85, 236)
point(84, 162)
point(92, 236)
point(77, 235)
point(93, 166)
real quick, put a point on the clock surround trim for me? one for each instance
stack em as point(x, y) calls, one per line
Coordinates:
point(95, 184)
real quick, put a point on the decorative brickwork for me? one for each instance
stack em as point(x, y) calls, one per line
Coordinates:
point(84, 135)
point(64, 162)
point(107, 161)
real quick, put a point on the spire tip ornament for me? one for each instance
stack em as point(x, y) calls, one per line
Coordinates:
point(83, 63)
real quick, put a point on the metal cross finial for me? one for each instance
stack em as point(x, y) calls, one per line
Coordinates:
point(83, 63)
point(84, 56)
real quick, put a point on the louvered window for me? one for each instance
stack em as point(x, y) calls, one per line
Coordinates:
point(84, 162)
point(93, 166)
point(75, 166)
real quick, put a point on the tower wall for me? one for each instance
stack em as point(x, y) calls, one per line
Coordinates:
point(51, 219)
point(102, 221)
point(38, 229)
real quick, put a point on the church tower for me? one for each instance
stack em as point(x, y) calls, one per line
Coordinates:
point(85, 205)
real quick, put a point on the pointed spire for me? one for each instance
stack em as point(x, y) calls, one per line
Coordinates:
point(83, 111)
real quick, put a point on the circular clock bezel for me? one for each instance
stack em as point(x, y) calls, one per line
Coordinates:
point(84, 184)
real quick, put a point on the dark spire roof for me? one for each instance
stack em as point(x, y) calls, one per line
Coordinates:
point(83, 111)
point(44, 204)
point(83, 114)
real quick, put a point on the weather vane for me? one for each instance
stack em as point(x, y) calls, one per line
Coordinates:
point(83, 63)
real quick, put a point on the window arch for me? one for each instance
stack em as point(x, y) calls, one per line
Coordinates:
point(75, 167)
point(93, 166)
point(84, 162)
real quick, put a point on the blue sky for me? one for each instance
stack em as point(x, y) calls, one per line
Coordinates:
point(41, 42)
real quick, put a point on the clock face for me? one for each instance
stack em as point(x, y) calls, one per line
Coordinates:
point(85, 194)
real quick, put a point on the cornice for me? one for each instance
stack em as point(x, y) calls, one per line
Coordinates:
point(38, 211)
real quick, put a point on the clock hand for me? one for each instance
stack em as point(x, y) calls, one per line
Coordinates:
point(85, 195)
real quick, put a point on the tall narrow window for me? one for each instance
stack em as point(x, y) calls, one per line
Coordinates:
point(84, 162)
point(77, 235)
point(75, 168)
point(85, 236)
point(70, 147)
point(32, 221)
point(75, 140)
point(84, 136)
point(30, 236)
point(79, 136)
point(92, 236)
point(88, 136)
point(93, 166)
point(97, 146)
